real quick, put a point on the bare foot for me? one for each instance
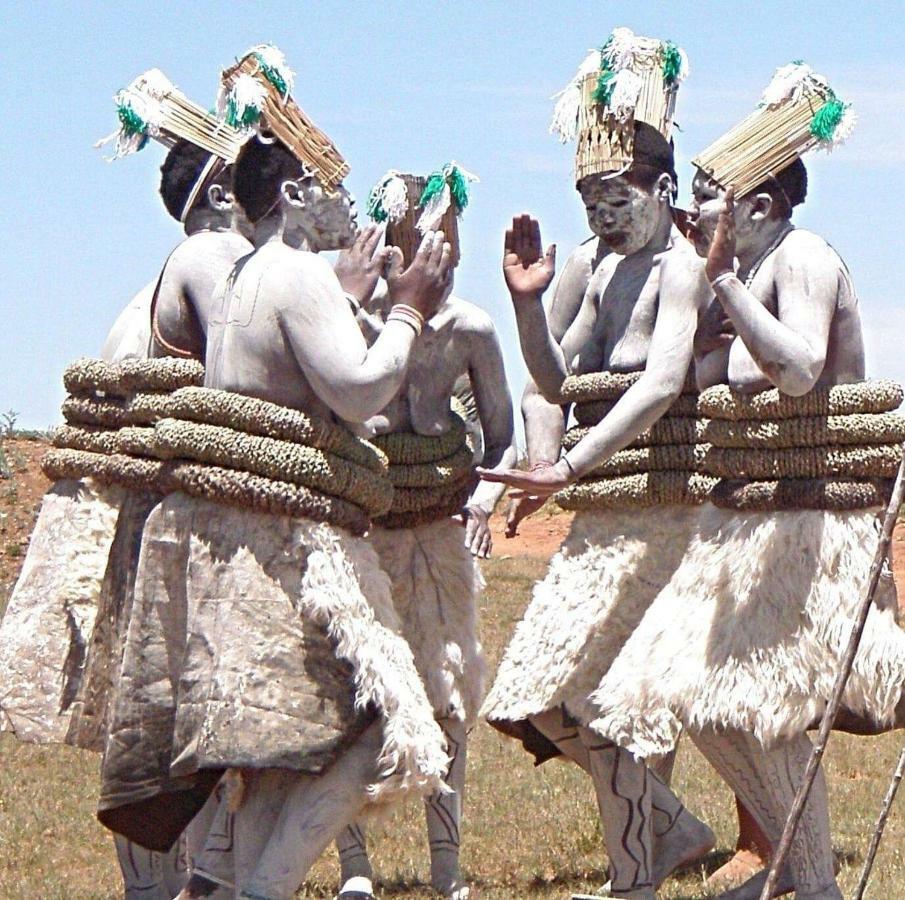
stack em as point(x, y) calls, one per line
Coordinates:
point(734, 871)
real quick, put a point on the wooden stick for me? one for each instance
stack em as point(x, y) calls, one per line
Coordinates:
point(878, 828)
point(832, 708)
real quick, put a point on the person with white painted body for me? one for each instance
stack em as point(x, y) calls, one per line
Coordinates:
point(761, 608)
point(194, 188)
point(638, 315)
point(284, 332)
point(430, 558)
point(216, 237)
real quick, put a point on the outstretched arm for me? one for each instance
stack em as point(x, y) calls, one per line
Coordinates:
point(683, 292)
point(354, 381)
point(789, 348)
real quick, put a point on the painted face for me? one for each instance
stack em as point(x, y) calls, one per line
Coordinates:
point(624, 216)
point(704, 211)
point(329, 221)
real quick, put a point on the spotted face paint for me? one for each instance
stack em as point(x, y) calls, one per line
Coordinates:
point(623, 216)
point(329, 220)
point(704, 213)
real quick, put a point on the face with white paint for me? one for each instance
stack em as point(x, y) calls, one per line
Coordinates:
point(751, 213)
point(326, 221)
point(622, 214)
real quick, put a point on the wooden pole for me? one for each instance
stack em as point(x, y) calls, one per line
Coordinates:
point(885, 810)
point(832, 708)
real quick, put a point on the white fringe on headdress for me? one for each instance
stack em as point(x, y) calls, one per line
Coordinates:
point(273, 58)
point(436, 207)
point(143, 96)
point(391, 195)
point(436, 583)
point(246, 92)
point(750, 633)
point(788, 83)
point(564, 123)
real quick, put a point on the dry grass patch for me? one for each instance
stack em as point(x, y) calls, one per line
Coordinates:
point(528, 832)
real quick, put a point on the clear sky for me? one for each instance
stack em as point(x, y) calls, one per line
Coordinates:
point(405, 85)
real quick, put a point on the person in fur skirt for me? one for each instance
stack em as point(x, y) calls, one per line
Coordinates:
point(430, 557)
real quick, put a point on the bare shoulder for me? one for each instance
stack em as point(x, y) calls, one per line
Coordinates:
point(681, 260)
point(803, 248)
point(584, 254)
point(470, 318)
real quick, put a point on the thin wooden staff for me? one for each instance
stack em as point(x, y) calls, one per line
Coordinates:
point(881, 824)
point(832, 708)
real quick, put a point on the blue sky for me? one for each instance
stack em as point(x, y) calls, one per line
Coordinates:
point(405, 85)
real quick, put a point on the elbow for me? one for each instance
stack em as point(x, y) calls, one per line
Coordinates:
point(798, 378)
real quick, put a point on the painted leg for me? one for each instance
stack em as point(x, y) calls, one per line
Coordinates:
point(174, 867)
point(623, 789)
point(355, 867)
point(315, 810)
point(766, 781)
point(141, 869)
point(211, 857)
point(444, 817)
point(679, 837)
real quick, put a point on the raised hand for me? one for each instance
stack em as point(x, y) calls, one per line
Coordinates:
point(527, 269)
point(425, 283)
point(359, 266)
point(721, 256)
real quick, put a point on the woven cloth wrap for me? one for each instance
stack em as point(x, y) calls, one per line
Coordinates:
point(431, 476)
point(833, 448)
point(663, 465)
point(156, 428)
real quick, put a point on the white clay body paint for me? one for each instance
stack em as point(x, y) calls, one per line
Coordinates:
point(623, 215)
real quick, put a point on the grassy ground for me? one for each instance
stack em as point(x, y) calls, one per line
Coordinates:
point(529, 832)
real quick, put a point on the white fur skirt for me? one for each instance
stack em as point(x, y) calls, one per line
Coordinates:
point(262, 641)
point(436, 583)
point(47, 628)
point(750, 632)
point(598, 587)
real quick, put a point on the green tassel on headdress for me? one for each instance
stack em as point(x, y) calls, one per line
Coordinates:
point(606, 82)
point(446, 187)
point(672, 63)
point(603, 93)
point(273, 65)
point(131, 121)
point(826, 120)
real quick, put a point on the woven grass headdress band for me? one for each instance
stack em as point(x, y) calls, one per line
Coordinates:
point(256, 93)
point(798, 112)
point(153, 107)
point(630, 79)
point(414, 204)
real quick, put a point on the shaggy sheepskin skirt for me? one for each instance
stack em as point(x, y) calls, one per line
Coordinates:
point(436, 583)
point(256, 641)
point(46, 631)
point(598, 587)
point(749, 633)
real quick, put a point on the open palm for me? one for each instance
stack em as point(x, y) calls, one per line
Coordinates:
point(527, 269)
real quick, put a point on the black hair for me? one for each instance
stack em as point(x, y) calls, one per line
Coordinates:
point(653, 155)
point(788, 187)
point(260, 171)
point(179, 173)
